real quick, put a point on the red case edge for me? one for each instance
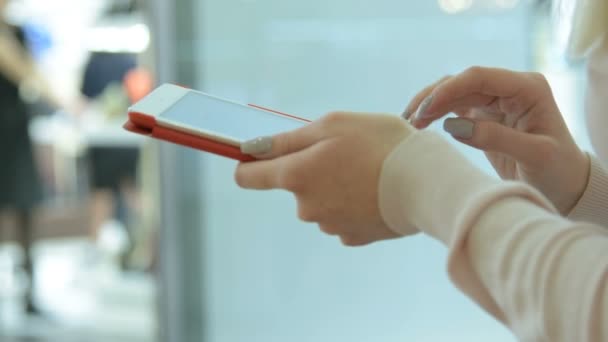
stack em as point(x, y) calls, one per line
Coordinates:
point(146, 125)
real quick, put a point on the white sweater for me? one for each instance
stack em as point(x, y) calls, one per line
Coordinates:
point(544, 276)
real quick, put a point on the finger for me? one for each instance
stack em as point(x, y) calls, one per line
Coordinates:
point(354, 240)
point(329, 229)
point(284, 143)
point(461, 107)
point(490, 136)
point(487, 114)
point(476, 86)
point(267, 174)
point(417, 100)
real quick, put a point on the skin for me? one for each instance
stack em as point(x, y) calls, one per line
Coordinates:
point(332, 166)
point(517, 124)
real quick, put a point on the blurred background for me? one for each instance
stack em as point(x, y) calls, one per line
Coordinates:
point(106, 236)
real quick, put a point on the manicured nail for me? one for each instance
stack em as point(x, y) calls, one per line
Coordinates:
point(407, 114)
point(421, 112)
point(459, 128)
point(259, 145)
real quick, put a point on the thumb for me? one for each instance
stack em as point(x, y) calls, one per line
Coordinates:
point(271, 147)
point(491, 136)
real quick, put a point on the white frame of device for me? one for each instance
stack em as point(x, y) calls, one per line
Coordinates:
point(167, 95)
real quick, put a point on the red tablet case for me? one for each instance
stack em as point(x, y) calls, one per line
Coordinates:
point(146, 125)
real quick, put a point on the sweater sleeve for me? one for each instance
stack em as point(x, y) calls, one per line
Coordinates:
point(593, 204)
point(596, 101)
point(540, 274)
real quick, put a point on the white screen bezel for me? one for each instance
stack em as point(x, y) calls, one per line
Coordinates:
point(165, 96)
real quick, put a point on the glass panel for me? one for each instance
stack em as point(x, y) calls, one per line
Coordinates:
point(270, 277)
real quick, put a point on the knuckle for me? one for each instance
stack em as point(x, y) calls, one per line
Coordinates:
point(352, 241)
point(334, 118)
point(476, 75)
point(445, 78)
point(538, 77)
point(329, 230)
point(474, 71)
point(306, 213)
point(540, 80)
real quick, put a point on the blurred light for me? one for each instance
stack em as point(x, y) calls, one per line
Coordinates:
point(507, 4)
point(135, 39)
point(113, 238)
point(563, 20)
point(455, 6)
point(138, 83)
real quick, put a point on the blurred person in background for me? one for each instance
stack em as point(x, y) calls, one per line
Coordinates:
point(20, 185)
point(113, 167)
point(112, 81)
point(531, 249)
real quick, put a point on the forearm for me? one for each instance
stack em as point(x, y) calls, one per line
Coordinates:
point(546, 273)
point(13, 64)
point(506, 245)
point(19, 68)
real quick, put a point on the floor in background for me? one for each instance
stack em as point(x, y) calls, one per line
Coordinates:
point(83, 295)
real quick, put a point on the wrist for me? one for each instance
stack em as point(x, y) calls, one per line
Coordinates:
point(579, 181)
point(425, 183)
point(591, 206)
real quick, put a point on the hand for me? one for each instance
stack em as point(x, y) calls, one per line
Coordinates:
point(332, 166)
point(513, 118)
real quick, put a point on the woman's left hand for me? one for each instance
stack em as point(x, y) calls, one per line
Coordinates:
point(333, 167)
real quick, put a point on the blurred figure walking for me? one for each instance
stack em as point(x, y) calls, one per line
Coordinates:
point(20, 184)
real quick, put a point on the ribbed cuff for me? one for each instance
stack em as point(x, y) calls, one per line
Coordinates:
point(424, 183)
point(593, 205)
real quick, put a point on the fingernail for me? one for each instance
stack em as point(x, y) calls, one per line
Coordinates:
point(407, 113)
point(259, 145)
point(421, 112)
point(459, 128)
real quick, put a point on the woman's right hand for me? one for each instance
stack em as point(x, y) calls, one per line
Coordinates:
point(513, 118)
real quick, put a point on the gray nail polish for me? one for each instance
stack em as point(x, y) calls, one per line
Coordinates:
point(420, 113)
point(259, 145)
point(406, 114)
point(459, 128)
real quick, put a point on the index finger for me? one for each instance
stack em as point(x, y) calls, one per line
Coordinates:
point(477, 86)
point(418, 98)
